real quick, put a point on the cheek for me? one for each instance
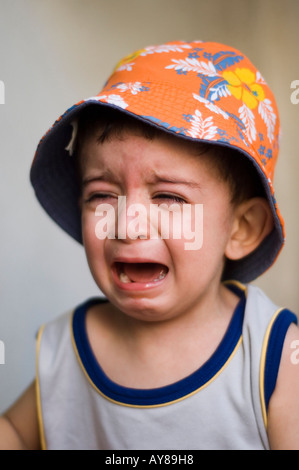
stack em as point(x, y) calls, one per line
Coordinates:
point(218, 220)
point(93, 246)
point(204, 251)
point(88, 230)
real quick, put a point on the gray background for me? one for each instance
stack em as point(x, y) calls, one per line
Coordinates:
point(54, 53)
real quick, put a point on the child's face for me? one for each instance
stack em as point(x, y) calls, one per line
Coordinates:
point(150, 172)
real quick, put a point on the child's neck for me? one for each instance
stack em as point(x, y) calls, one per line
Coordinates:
point(140, 354)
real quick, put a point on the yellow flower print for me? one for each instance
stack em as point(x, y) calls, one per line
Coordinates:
point(242, 85)
point(126, 63)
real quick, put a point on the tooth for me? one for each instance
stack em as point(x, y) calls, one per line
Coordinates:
point(161, 275)
point(124, 278)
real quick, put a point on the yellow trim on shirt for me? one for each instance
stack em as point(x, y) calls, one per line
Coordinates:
point(38, 394)
point(263, 364)
point(237, 284)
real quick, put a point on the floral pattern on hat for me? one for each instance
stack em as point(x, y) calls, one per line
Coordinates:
point(218, 83)
point(232, 103)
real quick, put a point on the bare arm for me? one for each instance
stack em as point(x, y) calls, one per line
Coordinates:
point(19, 424)
point(283, 416)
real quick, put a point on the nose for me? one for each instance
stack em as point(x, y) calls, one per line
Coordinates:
point(132, 221)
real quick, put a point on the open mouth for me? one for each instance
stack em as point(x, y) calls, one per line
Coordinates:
point(143, 273)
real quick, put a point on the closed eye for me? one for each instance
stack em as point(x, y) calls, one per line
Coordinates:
point(100, 197)
point(170, 198)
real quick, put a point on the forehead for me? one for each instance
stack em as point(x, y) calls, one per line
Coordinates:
point(112, 139)
point(132, 150)
point(131, 159)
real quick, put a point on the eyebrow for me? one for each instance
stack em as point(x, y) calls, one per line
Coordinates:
point(106, 175)
point(170, 180)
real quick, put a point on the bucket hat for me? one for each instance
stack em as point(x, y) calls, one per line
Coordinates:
point(200, 91)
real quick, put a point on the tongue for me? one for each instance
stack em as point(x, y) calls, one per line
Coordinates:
point(144, 272)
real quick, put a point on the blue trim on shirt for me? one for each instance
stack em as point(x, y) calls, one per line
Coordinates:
point(162, 395)
point(274, 350)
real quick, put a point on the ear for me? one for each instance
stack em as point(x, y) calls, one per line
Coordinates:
point(252, 222)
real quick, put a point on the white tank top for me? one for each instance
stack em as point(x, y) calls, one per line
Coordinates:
point(222, 405)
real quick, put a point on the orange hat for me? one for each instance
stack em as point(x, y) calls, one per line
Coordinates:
point(202, 91)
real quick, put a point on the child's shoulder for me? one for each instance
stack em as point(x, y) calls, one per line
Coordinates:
point(265, 318)
point(283, 415)
point(278, 335)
